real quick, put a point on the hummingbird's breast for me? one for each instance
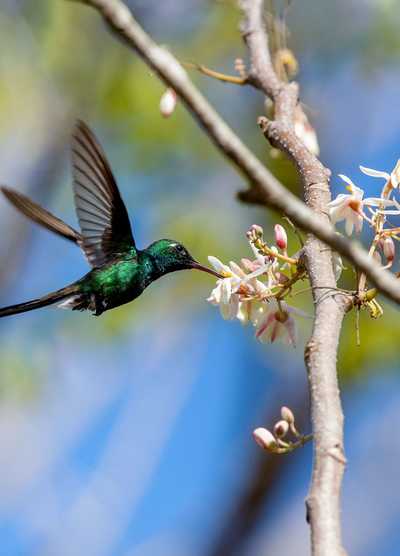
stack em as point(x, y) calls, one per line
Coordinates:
point(116, 283)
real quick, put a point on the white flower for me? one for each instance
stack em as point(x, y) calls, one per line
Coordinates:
point(278, 322)
point(224, 294)
point(350, 207)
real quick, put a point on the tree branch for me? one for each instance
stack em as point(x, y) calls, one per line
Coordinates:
point(323, 504)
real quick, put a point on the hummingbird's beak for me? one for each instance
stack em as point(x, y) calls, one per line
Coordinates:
point(199, 266)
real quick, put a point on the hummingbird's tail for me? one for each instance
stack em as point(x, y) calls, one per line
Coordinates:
point(49, 299)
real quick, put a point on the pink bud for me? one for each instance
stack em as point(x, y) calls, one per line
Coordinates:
point(287, 415)
point(388, 248)
point(280, 236)
point(281, 428)
point(168, 103)
point(265, 439)
point(256, 230)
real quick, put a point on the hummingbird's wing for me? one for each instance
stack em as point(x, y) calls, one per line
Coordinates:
point(40, 215)
point(103, 218)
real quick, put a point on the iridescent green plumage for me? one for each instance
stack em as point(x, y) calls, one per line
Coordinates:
point(120, 272)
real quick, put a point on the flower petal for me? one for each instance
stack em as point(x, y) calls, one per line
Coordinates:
point(237, 270)
point(260, 270)
point(374, 173)
point(349, 225)
point(265, 324)
point(337, 213)
point(226, 291)
point(218, 266)
point(290, 327)
point(377, 201)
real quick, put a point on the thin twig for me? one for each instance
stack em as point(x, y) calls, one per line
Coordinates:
point(216, 74)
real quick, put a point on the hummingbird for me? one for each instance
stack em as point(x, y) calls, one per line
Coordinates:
point(120, 271)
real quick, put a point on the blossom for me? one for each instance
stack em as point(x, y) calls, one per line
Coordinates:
point(238, 292)
point(224, 292)
point(278, 322)
point(350, 207)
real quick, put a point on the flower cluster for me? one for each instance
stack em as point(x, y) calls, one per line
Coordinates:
point(277, 442)
point(253, 290)
point(355, 209)
point(352, 207)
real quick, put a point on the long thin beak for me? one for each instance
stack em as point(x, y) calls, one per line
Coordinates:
point(199, 266)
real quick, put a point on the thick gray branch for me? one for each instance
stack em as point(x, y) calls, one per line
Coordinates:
point(265, 187)
point(323, 503)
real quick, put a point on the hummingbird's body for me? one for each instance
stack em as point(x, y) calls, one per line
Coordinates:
point(120, 272)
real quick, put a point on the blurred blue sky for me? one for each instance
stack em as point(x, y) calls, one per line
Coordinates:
point(130, 435)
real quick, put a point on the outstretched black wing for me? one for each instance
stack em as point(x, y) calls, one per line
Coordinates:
point(104, 221)
point(40, 215)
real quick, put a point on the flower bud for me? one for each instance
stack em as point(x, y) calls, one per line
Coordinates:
point(168, 103)
point(280, 236)
point(255, 231)
point(287, 415)
point(265, 439)
point(388, 248)
point(281, 429)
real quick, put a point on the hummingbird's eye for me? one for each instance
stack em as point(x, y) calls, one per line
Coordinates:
point(180, 248)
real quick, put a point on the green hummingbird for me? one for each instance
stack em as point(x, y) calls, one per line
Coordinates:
point(120, 271)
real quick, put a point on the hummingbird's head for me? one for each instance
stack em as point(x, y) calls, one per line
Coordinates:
point(169, 256)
